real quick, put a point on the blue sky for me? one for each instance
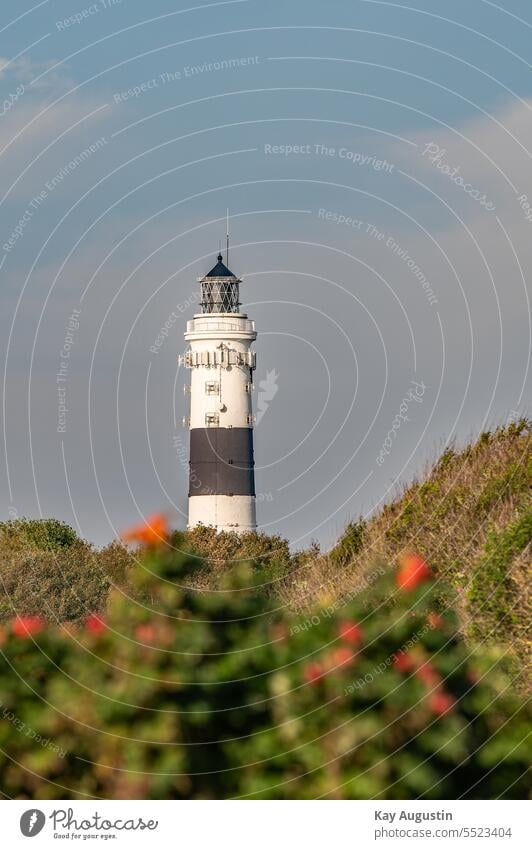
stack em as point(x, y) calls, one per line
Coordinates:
point(369, 152)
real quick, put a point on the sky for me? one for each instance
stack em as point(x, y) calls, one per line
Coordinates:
point(374, 160)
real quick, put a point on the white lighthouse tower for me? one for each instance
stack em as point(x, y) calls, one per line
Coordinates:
point(221, 362)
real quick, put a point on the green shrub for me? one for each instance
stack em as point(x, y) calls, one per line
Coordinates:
point(219, 551)
point(222, 694)
point(350, 544)
point(40, 534)
point(63, 585)
point(493, 592)
point(514, 481)
point(115, 562)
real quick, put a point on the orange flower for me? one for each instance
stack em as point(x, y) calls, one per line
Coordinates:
point(153, 531)
point(350, 632)
point(441, 702)
point(25, 626)
point(94, 624)
point(413, 571)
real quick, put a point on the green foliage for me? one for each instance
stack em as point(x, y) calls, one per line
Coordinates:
point(446, 517)
point(115, 562)
point(493, 592)
point(350, 543)
point(39, 534)
point(514, 481)
point(218, 552)
point(223, 694)
point(62, 585)
point(46, 570)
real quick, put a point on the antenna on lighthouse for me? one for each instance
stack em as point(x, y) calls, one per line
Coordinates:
point(227, 244)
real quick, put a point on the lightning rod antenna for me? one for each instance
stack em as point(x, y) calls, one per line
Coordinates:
point(227, 244)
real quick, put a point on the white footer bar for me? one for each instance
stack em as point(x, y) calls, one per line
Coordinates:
point(261, 825)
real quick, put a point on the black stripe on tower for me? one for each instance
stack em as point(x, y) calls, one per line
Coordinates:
point(221, 461)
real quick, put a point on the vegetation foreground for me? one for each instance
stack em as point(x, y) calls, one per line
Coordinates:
point(216, 666)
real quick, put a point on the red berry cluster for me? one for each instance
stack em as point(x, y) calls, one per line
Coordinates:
point(439, 700)
point(350, 635)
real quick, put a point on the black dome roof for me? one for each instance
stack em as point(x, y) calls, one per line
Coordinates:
point(220, 270)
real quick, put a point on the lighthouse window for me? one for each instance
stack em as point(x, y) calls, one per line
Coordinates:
point(212, 388)
point(248, 387)
point(212, 419)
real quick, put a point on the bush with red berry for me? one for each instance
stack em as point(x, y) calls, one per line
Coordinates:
point(223, 694)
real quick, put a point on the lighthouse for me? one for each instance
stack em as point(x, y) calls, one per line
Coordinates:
point(221, 364)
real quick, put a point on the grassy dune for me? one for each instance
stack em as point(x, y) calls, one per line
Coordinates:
point(469, 516)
